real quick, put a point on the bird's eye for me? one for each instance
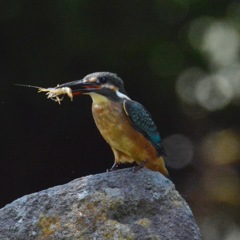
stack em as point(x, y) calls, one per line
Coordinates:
point(102, 79)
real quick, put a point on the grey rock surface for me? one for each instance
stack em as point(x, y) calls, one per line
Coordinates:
point(115, 205)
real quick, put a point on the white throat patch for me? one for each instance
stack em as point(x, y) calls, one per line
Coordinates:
point(97, 98)
point(121, 95)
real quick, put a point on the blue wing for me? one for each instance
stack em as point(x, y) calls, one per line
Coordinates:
point(143, 123)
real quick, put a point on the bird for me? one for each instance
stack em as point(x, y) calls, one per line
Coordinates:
point(125, 124)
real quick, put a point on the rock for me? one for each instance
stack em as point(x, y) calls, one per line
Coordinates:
point(116, 205)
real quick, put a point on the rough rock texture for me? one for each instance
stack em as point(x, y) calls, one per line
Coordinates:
point(115, 205)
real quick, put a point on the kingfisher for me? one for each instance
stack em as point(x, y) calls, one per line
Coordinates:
point(124, 123)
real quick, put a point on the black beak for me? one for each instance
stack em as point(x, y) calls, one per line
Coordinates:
point(80, 86)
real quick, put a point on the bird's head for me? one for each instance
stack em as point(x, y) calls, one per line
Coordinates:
point(105, 84)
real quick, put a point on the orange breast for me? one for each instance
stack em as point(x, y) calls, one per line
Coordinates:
point(117, 130)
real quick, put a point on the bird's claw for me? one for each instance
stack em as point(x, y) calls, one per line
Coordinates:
point(138, 167)
point(113, 168)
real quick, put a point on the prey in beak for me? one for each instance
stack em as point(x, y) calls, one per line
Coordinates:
point(70, 89)
point(104, 85)
point(54, 93)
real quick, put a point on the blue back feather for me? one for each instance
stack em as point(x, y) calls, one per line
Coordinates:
point(143, 123)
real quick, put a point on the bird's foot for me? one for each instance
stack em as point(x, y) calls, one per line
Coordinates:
point(113, 168)
point(138, 167)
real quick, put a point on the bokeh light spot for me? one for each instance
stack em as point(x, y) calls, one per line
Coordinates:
point(197, 29)
point(179, 151)
point(222, 147)
point(233, 233)
point(221, 43)
point(186, 83)
point(232, 74)
point(213, 92)
point(222, 185)
point(220, 226)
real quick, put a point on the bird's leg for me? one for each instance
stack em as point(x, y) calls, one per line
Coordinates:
point(138, 167)
point(113, 168)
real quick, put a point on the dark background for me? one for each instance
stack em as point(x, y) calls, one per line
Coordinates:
point(180, 59)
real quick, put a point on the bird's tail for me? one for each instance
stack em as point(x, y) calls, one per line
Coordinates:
point(157, 165)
